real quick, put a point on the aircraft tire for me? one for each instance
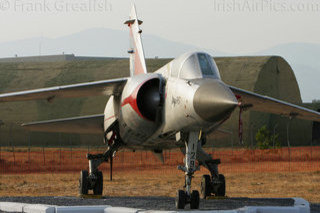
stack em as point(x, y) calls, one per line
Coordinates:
point(205, 186)
point(98, 187)
point(195, 200)
point(181, 199)
point(83, 182)
point(222, 187)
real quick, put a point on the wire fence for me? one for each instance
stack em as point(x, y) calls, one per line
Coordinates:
point(61, 159)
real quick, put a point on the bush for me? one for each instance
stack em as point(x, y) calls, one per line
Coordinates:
point(265, 139)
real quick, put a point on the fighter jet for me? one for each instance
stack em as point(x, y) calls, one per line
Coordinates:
point(175, 106)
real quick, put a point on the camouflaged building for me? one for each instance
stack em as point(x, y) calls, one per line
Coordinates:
point(268, 75)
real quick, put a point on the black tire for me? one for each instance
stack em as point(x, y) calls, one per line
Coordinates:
point(83, 182)
point(195, 200)
point(98, 187)
point(180, 199)
point(205, 186)
point(222, 187)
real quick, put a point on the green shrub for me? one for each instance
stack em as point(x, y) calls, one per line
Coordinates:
point(265, 139)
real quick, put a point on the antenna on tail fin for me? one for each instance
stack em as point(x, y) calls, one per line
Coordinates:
point(137, 60)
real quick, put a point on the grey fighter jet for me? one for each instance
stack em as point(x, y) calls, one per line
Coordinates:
point(176, 106)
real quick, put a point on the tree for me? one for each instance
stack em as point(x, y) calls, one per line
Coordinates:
point(265, 139)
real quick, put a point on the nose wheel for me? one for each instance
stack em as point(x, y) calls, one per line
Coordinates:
point(183, 199)
point(187, 196)
point(83, 182)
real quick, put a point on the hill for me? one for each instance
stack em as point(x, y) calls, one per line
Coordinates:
point(96, 42)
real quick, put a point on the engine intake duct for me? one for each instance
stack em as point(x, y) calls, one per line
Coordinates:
point(149, 99)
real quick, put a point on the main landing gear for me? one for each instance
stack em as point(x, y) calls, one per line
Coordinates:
point(214, 184)
point(93, 180)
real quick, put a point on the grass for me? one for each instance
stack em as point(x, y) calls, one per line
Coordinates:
point(165, 183)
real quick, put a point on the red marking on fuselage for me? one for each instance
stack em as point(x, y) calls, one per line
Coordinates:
point(132, 101)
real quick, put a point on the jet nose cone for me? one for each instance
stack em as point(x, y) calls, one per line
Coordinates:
point(214, 101)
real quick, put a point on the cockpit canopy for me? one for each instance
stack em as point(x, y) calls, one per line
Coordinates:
point(195, 65)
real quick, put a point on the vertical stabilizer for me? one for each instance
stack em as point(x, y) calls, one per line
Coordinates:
point(137, 61)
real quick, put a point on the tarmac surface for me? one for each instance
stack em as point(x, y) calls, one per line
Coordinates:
point(157, 203)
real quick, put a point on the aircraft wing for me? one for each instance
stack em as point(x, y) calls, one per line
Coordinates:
point(92, 124)
point(267, 104)
point(95, 88)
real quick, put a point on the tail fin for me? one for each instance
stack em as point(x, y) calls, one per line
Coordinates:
point(137, 61)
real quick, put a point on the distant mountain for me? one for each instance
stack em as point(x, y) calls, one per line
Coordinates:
point(96, 42)
point(304, 59)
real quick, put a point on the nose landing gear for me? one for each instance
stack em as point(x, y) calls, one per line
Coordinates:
point(187, 196)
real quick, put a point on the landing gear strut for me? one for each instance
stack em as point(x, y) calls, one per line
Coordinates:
point(93, 180)
point(187, 196)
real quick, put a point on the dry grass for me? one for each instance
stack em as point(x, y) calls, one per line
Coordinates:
point(152, 183)
point(50, 160)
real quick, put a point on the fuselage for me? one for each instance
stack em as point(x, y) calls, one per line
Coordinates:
point(186, 94)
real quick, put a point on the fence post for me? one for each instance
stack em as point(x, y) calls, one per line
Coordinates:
point(251, 134)
point(44, 156)
point(29, 141)
point(288, 142)
point(0, 151)
point(60, 149)
point(12, 147)
point(274, 133)
point(70, 142)
point(232, 142)
point(1, 124)
point(311, 151)
point(14, 156)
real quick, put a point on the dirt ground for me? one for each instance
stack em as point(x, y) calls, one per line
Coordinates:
point(249, 173)
point(157, 183)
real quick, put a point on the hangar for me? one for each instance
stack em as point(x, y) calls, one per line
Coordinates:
point(267, 75)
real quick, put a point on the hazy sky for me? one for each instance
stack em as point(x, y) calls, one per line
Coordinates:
point(235, 26)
